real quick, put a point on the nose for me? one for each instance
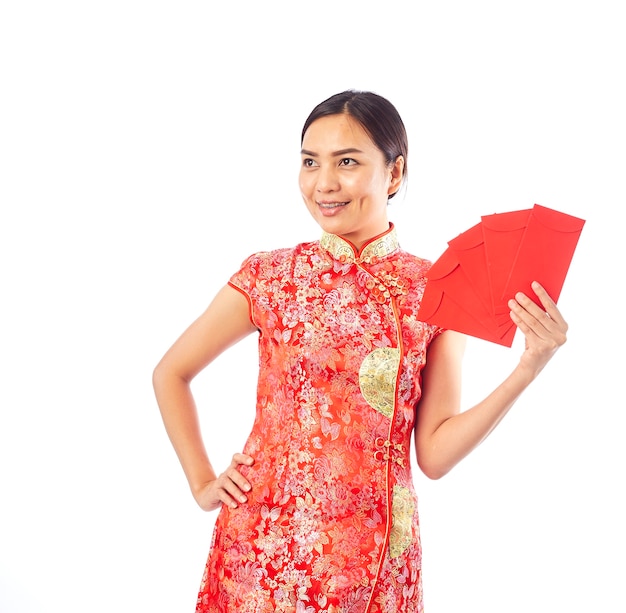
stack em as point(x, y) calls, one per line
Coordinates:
point(327, 179)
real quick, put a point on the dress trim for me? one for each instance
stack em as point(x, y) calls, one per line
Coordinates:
point(396, 537)
point(378, 247)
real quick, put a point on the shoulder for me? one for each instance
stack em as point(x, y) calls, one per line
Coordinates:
point(282, 256)
point(413, 265)
point(275, 264)
point(415, 259)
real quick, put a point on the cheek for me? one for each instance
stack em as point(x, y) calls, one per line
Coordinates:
point(378, 185)
point(305, 183)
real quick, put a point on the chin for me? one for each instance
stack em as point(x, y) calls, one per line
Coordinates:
point(333, 227)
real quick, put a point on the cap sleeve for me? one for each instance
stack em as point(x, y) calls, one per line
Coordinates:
point(245, 280)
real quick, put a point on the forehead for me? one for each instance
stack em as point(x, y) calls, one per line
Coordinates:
point(335, 133)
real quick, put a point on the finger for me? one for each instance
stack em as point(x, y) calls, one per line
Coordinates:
point(548, 304)
point(236, 476)
point(228, 491)
point(528, 316)
point(233, 483)
point(242, 458)
point(537, 324)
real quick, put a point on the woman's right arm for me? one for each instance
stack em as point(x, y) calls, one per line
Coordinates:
point(226, 321)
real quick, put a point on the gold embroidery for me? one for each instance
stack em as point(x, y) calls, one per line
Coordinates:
point(402, 512)
point(337, 247)
point(381, 247)
point(377, 379)
point(344, 251)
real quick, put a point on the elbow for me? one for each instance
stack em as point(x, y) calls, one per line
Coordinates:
point(160, 375)
point(432, 469)
point(433, 473)
point(165, 376)
point(157, 376)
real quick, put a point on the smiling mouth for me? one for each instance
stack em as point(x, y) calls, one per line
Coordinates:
point(331, 205)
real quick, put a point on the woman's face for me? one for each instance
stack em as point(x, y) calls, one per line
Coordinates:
point(344, 179)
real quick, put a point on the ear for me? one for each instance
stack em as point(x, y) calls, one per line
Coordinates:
point(396, 175)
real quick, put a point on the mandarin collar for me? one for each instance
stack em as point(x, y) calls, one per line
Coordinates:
point(376, 248)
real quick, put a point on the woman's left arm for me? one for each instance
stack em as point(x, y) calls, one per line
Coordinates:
point(443, 434)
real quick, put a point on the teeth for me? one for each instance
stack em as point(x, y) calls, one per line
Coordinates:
point(331, 205)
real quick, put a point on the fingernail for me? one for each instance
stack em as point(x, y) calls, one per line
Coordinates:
point(242, 498)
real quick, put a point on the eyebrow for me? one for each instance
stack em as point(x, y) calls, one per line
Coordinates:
point(334, 153)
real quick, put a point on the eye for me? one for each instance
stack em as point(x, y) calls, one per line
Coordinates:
point(347, 162)
point(309, 162)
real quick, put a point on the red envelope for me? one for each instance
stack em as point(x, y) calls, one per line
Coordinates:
point(469, 248)
point(545, 253)
point(469, 286)
point(451, 302)
point(502, 234)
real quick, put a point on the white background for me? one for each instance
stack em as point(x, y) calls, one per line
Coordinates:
point(147, 147)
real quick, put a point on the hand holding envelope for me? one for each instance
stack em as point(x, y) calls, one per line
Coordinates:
point(468, 287)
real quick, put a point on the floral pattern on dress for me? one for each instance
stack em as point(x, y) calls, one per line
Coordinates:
point(331, 523)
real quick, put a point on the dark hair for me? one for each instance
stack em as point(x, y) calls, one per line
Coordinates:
point(379, 118)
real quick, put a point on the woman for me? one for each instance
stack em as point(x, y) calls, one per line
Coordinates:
point(318, 513)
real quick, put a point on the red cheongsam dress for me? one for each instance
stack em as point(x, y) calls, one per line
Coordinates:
point(331, 525)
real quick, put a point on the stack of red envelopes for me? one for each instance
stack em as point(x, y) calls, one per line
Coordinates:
point(468, 287)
